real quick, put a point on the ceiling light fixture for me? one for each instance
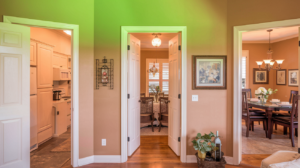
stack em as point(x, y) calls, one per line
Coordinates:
point(69, 32)
point(269, 63)
point(156, 42)
point(153, 69)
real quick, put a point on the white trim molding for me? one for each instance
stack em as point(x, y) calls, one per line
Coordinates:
point(237, 78)
point(75, 73)
point(273, 41)
point(153, 29)
point(193, 159)
point(99, 159)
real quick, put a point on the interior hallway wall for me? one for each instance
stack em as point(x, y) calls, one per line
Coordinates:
point(206, 35)
point(150, 54)
point(73, 12)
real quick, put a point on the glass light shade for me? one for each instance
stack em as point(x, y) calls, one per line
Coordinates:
point(259, 62)
point(267, 61)
point(156, 42)
point(69, 32)
point(272, 63)
point(279, 61)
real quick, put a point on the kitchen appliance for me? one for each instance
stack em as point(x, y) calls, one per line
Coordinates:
point(56, 94)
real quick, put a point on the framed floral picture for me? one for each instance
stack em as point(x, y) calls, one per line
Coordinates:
point(281, 77)
point(260, 76)
point(209, 72)
point(293, 77)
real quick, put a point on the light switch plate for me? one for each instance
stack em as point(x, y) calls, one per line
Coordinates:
point(103, 142)
point(194, 97)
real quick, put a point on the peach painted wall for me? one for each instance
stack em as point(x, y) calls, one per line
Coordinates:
point(258, 52)
point(287, 50)
point(150, 54)
point(73, 12)
point(60, 40)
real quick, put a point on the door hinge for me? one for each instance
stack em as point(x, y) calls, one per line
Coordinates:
point(298, 150)
point(128, 139)
point(178, 139)
point(179, 47)
point(179, 96)
point(128, 96)
point(128, 47)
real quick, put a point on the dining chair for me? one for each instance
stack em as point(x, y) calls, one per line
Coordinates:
point(147, 114)
point(143, 95)
point(250, 117)
point(163, 111)
point(166, 95)
point(248, 91)
point(161, 94)
point(290, 122)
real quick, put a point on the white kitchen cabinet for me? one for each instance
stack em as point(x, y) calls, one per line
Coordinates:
point(33, 122)
point(69, 114)
point(44, 66)
point(61, 110)
point(60, 60)
point(45, 114)
point(33, 87)
point(32, 53)
point(69, 62)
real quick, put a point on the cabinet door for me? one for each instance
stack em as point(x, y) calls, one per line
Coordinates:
point(64, 61)
point(69, 62)
point(45, 116)
point(56, 60)
point(32, 53)
point(44, 66)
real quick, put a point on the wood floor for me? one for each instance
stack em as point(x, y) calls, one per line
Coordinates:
point(154, 152)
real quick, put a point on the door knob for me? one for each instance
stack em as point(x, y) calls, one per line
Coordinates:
point(139, 100)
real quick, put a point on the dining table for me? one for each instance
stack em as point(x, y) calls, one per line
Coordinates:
point(269, 109)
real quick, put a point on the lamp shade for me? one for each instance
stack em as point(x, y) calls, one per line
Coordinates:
point(279, 61)
point(267, 61)
point(259, 62)
point(272, 63)
point(156, 42)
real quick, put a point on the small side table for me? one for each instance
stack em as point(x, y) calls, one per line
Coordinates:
point(205, 163)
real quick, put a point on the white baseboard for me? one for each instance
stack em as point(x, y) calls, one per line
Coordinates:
point(99, 159)
point(193, 159)
point(86, 160)
point(107, 158)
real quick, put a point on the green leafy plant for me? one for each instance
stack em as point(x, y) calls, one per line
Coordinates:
point(204, 143)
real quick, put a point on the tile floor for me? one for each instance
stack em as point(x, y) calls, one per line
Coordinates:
point(257, 143)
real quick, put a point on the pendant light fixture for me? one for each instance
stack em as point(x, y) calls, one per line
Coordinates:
point(156, 42)
point(269, 63)
point(153, 69)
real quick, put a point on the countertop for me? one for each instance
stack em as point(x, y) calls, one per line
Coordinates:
point(61, 100)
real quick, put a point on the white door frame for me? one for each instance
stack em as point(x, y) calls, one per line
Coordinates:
point(75, 73)
point(152, 29)
point(237, 78)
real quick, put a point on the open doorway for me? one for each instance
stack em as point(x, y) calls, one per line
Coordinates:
point(20, 64)
point(270, 62)
point(50, 97)
point(153, 92)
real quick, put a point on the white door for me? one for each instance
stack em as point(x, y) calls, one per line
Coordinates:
point(174, 91)
point(133, 94)
point(14, 96)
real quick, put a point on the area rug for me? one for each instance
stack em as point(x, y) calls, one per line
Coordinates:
point(147, 131)
point(63, 147)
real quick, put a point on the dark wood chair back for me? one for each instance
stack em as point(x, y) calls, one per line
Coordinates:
point(293, 92)
point(294, 111)
point(143, 95)
point(151, 95)
point(161, 94)
point(147, 105)
point(163, 103)
point(248, 91)
point(245, 108)
point(166, 95)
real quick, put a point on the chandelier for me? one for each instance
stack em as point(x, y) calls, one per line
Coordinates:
point(156, 42)
point(269, 63)
point(153, 69)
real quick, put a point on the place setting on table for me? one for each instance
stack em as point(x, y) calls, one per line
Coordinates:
point(275, 110)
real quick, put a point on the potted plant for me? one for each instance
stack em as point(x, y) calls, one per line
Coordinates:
point(203, 144)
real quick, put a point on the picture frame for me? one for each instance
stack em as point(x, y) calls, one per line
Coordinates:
point(281, 77)
point(293, 77)
point(209, 72)
point(260, 76)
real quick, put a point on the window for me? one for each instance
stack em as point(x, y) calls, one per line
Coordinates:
point(161, 78)
point(244, 71)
